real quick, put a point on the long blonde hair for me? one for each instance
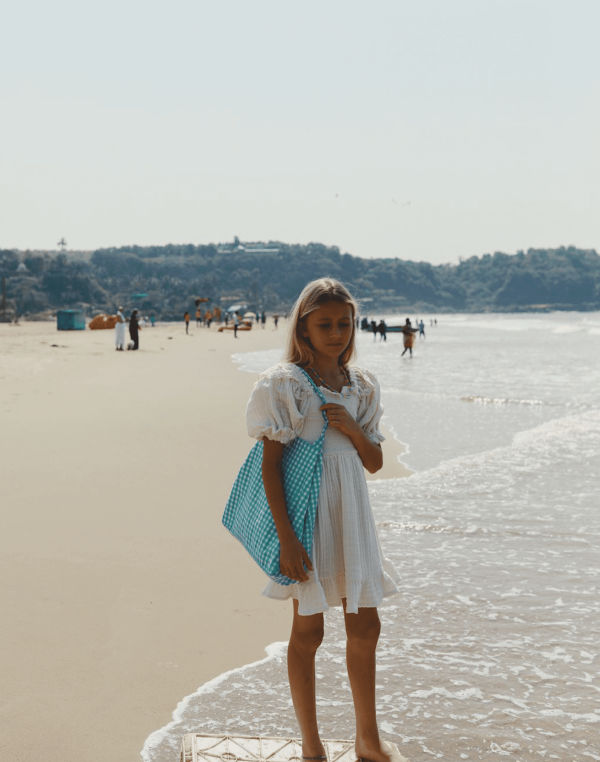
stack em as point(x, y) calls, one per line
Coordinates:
point(298, 349)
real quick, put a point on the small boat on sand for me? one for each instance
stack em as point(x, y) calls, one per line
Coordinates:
point(245, 325)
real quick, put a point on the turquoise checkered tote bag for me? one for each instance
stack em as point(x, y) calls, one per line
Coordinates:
point(247, 514)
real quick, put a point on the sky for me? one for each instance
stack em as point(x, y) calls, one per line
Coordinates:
point(427, 130)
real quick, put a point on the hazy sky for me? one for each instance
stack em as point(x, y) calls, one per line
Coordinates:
point(429, 129)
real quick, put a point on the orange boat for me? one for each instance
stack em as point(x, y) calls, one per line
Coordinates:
point(245, 325)
point(102, 321)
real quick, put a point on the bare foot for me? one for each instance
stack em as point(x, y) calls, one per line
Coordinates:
point(313, 750)
point(388, 752)
point(371, 752)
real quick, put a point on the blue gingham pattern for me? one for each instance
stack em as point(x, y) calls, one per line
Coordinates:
point(247, 514)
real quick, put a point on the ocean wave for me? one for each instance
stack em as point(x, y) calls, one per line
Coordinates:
point(555, 323)
point(553, 442)
point(167, 740)
point(499, 400)
point(415, 526)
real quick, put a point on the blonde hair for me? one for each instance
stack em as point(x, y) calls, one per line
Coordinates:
point(316, 293)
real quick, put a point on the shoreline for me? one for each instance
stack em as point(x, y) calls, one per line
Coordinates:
point(273, 650)
point(118, 467)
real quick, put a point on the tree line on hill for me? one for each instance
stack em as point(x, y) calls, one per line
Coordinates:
point(165, 280)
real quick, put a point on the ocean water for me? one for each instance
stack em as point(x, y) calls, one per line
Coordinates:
point(492, 647)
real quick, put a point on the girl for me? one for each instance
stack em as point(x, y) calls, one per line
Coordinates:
point(347, 568)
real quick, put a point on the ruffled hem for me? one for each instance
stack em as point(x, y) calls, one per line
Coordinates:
point(375, 436)
point(317, 595)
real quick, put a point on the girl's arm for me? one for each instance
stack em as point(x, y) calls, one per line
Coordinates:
point(293, 556)
point(369, 452)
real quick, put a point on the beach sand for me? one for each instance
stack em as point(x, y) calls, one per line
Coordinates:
point(121, 592)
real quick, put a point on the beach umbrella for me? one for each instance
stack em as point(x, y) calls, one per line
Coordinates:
point(249, 314)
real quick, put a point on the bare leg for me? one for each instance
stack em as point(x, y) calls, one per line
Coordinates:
point(362, 631)
point(306, 637)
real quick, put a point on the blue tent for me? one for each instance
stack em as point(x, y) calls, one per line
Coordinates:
point(70, 320)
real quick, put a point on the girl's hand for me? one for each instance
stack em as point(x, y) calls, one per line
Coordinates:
point(339, 418)
point(292, 559)
point(369, 452)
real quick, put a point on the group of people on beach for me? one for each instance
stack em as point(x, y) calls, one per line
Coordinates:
point(204, 319)
point(233, 317)
point(121, 330)
point(381, 329)
point(376, 328)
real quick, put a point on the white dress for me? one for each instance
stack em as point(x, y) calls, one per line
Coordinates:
point(347, 558)
point(120, 331)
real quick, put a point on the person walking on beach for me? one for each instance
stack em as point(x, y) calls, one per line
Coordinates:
point(236, 324)
point(276, 320)
point(382, 328)
point(186, 317)
point(134, 330)
point(345, 566)
point(421, 329)
point(374, 329)
point(198, 316)
point(263, 320)
point(120, 330)
point(409, 336)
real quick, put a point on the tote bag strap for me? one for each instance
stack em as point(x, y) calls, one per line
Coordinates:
point(319, 393)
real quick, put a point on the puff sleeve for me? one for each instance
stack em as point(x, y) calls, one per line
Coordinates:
point(272, 410)
point(370, 409)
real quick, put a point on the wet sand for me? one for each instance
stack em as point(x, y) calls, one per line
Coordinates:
point(121, 591)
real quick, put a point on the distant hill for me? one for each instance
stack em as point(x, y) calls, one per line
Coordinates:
point(165, 279)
